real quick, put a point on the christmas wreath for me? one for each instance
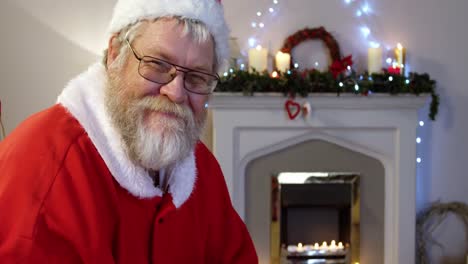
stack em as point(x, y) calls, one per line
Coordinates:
point(310, 34)
point(338, 65)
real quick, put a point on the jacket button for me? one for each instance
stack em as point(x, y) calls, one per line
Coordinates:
point(161, 220)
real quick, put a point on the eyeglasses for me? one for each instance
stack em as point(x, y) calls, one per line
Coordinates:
point(163, 72)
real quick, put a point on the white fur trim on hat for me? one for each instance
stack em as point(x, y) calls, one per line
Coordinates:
point(210, 12)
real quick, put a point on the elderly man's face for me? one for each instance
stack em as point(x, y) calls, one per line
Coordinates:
point(159, 123)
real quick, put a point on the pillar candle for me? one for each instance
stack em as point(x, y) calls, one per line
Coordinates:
point(374, 57)
point(283, 60)
point(258, 59)
point(400, 54)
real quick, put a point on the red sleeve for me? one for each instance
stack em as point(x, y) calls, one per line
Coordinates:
point(49, 209)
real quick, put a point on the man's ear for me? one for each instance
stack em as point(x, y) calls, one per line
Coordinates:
point(112, 50)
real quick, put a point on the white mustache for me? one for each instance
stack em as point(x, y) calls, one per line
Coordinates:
point(164, 105)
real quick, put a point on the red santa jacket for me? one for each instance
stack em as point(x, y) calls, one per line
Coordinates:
point(68, 195)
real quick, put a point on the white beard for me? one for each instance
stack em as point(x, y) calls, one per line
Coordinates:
point(164, 141)
point(159, 142)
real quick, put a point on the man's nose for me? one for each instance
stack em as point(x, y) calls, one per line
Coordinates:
point(175, 90)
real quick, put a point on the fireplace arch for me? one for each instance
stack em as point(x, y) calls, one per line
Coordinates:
point(317, 155)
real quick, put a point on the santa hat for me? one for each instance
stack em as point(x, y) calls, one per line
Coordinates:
point(210, 12)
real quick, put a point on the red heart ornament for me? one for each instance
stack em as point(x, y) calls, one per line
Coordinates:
point(292, 108)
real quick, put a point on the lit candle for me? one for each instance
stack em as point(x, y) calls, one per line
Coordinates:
point(374, 60)
point(333, 245)
point(317, 247)
point(258, 59)
point(400, 56)
point(299, 247)
point(340, 245)
point(283, 60)
point(324, 246)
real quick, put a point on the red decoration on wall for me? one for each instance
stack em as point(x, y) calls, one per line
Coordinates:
point(394, 70)
point(340, 66)
point(292, 108)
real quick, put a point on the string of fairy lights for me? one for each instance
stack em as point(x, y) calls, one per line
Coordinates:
point(261, 18)
point(362, 11)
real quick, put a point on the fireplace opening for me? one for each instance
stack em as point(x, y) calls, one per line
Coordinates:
point(315, 218)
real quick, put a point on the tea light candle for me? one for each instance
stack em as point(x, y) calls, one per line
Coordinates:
point(258, 59)
point(316, 246)
point(283, 60)
point(324, 246)
point(374, 60)
point(333, 245)
point(300, 248)
point(340, 245)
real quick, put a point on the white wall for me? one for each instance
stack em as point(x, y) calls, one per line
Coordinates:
point(36, 63)
point(44, 45)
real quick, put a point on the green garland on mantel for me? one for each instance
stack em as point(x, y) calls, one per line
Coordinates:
point(306, 82)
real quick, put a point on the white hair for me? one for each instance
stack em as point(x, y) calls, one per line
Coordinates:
point(197, 30)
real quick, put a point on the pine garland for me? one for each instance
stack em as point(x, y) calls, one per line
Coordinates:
point(303, 83)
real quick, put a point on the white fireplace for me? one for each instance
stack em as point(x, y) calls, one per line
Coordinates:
point(379, 126)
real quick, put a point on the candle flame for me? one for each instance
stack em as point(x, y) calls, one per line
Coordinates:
point(400, 47)
point(274, 74)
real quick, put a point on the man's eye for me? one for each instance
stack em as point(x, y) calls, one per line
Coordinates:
point(195, 78)
point(160, 66)
point(156, 65)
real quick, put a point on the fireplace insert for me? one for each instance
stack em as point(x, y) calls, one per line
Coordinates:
point(315, 217)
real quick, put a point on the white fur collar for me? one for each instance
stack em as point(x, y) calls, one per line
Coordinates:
point(84, 99)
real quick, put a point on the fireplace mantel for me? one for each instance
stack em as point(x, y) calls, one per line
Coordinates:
point(380, 126)
point(320, 101)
